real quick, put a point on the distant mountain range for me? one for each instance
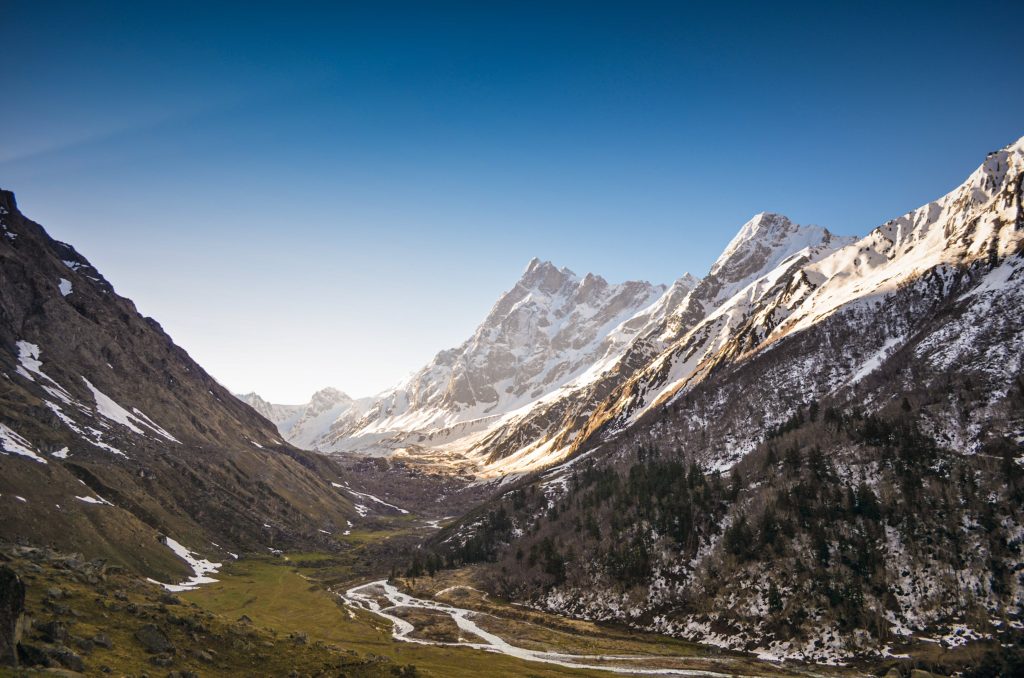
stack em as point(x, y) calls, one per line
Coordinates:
point(547, 332)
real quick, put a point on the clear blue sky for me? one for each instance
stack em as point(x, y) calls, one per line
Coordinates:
point(328, 196)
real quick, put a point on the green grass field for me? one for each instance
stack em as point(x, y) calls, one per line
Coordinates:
point(277, 595)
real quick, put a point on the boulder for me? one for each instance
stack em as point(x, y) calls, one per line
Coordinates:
point(12, 607)
point(50, 656)
point(53, 631)
point(103, 640)
point(153, 639)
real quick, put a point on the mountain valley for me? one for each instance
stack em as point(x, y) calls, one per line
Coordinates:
point(809, 461)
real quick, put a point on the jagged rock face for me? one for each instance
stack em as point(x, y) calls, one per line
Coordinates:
point(111, 434)
point(761, 245)
point(544, 332)
point(541, 333)
point(552, 430)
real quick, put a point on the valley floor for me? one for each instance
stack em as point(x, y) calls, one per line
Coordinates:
point(452, 629)
point(331, 614)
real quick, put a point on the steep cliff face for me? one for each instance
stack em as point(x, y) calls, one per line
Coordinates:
point(111, 434)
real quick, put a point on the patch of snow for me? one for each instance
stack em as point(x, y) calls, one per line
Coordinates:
point(373, 498)
point(876, 360)
point(65, 286)
point(149, 422)
point(200, 568)
point(30, 364)
point(436, 523)
point(15, 444)
point(93, 500)
point(89, 434)
point(109, 409)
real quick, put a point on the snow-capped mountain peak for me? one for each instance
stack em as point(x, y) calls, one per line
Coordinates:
point(549, 328)
point(327, 409)
point(328, 397)
point(763, 243)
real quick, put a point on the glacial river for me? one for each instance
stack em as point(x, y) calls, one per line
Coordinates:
point(370, 596)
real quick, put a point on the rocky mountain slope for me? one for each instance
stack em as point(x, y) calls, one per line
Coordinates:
point(550, 430)
point(978, 221)
point(515, 396)
point(823, 457)
point(111, 435)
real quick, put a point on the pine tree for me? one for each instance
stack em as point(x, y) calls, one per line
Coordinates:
point(774, 599)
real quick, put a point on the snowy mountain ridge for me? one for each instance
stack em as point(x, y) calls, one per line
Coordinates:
point(304, 424)
point(553, 429)
point(545, 348)
point(979, 220)
point(548, 329)
point(563, 362)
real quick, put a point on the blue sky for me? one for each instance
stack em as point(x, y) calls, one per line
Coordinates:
point(330, 195)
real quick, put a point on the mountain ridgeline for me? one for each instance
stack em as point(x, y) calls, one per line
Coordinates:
point(817, 453)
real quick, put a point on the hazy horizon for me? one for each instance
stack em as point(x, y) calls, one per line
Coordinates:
point(327, 199)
